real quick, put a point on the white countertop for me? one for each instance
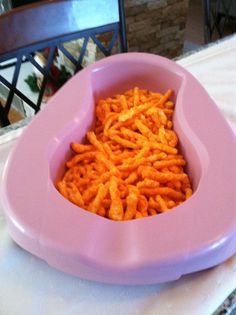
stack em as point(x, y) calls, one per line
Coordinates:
point(29, 286)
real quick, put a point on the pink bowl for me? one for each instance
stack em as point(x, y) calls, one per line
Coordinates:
point(196, 235)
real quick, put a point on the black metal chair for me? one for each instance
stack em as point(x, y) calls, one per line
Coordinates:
point(48, 25)
point(219, 18)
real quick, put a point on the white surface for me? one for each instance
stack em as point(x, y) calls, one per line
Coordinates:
point(215, 68)
point(29, 286)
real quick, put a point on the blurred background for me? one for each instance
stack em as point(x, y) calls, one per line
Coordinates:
point(170, 27)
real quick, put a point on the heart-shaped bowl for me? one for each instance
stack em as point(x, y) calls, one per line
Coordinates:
point(198, 234)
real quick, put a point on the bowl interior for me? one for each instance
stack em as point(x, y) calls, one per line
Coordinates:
point(116, 79)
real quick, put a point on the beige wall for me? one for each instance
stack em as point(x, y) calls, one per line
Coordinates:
point(156, 26)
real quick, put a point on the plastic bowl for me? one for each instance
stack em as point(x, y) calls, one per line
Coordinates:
point(196, 235)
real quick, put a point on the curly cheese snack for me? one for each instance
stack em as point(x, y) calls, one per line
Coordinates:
point(130, 167)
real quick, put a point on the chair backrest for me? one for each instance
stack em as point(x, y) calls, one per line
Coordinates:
point(219, 18)
point(49, 25)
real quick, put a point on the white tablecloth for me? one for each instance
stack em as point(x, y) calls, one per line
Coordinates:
point(29, 286)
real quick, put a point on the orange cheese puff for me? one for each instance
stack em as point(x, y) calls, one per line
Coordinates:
point(116, 211)
point(161, 177)
point(162, 135)
point(107, 163)
point(131, 178)
point(123, 142)
point(164, 98)
point(132, 134)
point(136, 96)
point(188, 193)
point(94, 141)
point(153, 204)
point(82, 148)
point(75, 196)
point(161, 146)
point(145, 131)
point(132, 202)
point(80, 157)
point(168, 163)
point(148, 183)
point(138, 215)
point(123, 102)
point(152, 211)
point(156, 157)
point(165, 191)
point(62, 187)
point(101, 194)
point(90, 193)
point(142, 206)
point(170, 204)
point(172, 138)
point(162, 203)
point(108, 122)
point(134, 111)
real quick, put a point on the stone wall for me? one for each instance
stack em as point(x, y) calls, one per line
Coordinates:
point(156, 26)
